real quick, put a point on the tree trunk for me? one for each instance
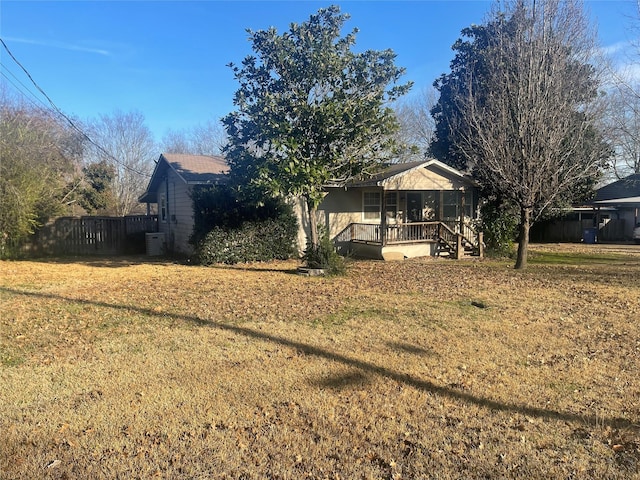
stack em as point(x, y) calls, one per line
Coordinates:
point(523, 238)
point(313, 224)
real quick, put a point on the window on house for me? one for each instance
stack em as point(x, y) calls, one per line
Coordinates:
point(415, 207)
point(391, 205)
point(468, 203)
point(450, 205)
point(163, 209)
point(371, 205)
point(431, 204)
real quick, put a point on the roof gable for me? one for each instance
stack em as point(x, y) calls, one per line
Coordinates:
point(191, 169)
point(421, 175)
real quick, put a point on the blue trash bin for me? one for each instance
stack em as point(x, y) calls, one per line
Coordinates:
point(589, 235)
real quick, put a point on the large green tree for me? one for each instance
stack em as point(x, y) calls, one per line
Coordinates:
point(520, 107)
point(310, 111)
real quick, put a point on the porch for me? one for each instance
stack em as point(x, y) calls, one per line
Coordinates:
point(423, 208)
point(455, 239)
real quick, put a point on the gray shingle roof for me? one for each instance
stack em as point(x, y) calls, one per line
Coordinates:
point(625, 188)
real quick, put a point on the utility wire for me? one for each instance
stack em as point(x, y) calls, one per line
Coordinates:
point(71, 122)
point(40, 105)
point(23, 89)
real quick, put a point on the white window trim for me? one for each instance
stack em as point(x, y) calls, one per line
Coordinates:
point(377, 218)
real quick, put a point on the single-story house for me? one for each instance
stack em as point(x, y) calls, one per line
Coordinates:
point(409, 209)
point(170, 187)
point(421, 208)
point(609, 217)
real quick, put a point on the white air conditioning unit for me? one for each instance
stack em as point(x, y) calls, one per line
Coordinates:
point(155, 244)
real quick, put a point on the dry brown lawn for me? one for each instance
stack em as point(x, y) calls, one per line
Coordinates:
point(125, 368)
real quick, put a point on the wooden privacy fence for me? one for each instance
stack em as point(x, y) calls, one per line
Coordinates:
point(573, 231)
point(94, 235)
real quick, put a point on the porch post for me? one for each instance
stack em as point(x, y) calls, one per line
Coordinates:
point(461, 203)
point(383, 219)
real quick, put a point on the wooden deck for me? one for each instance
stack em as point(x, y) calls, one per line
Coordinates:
point(449, 236)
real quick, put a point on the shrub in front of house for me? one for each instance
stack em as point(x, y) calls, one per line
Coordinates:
point(231, 230)
point(324, 256)
point(253, 241)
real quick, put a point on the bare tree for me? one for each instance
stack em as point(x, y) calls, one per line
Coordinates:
point(417, 125)
point(622, 119)
point(526, 99)
point(175, 141)
point(204, 139)
point(209, 139)
point(623, 128)
point(123, 141)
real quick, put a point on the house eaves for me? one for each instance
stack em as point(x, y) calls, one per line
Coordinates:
point(618, 201)
point(396, 171)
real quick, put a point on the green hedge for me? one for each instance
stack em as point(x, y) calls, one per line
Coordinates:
point(230, 228)
point(253, 241)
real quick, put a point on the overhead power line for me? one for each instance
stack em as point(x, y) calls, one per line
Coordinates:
point(23, 89)
point(73, 125)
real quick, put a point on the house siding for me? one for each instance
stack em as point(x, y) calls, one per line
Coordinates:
point(339, 208)
point(425, 179)
point(179, 223)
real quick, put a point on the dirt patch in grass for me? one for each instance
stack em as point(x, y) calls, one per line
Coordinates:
point(417, 369)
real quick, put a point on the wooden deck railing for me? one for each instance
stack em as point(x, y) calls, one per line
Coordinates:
point(445, 233)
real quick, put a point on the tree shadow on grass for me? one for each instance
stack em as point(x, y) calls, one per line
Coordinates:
point(104, 261)
point(355, 378)
point(368, 368)
point(249, 268)
point(133, 260)
point(412, 349)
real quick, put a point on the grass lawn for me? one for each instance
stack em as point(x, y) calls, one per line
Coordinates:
point(129, 368)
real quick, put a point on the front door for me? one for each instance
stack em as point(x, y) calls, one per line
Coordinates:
point(414, 207)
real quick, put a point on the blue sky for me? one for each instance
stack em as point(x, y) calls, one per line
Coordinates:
point(167, 59)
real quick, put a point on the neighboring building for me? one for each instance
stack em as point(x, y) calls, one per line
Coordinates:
point(428, 208)
point(621, 202)
point(609, 217)
point(170, 188)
